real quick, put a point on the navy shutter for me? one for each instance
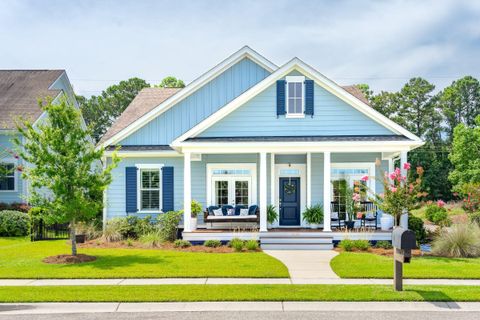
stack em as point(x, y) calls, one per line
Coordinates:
point(131, 189)
point(167, 189)
point(280, 97)
point(309, 97)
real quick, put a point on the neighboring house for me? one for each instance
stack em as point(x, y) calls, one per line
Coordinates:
point(20, 91)
point(248, 132)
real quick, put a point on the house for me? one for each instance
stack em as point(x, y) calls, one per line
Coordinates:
point(20, 91)
point(248, 132)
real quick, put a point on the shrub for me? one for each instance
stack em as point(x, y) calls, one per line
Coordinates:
point(129, 242)
point(362, 245)
point(474, 218)
point(212, 243)
point(251, 245)
point(272, 214)
point(460, 241)
point(152, 239)
point(179, 243)
point(137, 227)
point(115, 229)
point(15, 206)
point(313, 215)
point(90, 229)
point(14, 223)
point(168, 225)
point(383, 244)
point(346, 245)
point(416, 225)
point(237, 244)
point(437, 215)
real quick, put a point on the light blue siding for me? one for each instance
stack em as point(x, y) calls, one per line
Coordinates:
point(195, 108)
point(7, 145)
point(258, 117)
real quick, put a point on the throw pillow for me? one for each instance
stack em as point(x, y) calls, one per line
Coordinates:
point(244, 212)
point(334, 215)
point(370, 215)
point(218, 212)
point(230, 212)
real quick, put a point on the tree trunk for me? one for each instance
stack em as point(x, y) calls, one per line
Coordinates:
point(73, 237)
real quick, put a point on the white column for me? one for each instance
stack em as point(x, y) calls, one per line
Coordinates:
point(309, 179)
point(272, 179)
point(263, 191)
point(187, 192)
point(403, 159)
point(105, 201)
point(326, 191)
point(391, 165)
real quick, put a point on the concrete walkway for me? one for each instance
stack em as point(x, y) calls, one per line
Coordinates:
point(63, 308)
point(205, 281)
point(306, 264)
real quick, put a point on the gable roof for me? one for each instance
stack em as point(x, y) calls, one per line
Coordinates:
point(245, 52)
point(20, 91)
point(357, 93)
point(320, 79)
point(145, 101)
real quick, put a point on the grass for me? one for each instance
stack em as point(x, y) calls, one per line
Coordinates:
point(20, 258)
point(368, 265)
point(165, 293)
point(453, 209)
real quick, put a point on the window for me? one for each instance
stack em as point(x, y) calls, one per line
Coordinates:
point(295, 97)
point(7, 177)
point(149, 189)
point(221, 192)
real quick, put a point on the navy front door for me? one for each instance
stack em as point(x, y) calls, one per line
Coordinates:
point(289, 201)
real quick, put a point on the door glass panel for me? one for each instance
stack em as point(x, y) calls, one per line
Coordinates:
point(221, 192)
point(241, 193)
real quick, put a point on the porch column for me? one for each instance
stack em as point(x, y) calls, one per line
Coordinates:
point(263, 191)
point(326, 191)
point(272, 179)
point(187, 192)
point(391, 166)
point(309, 179)
point(403, 159)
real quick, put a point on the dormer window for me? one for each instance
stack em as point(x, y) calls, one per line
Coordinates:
point(295, 97)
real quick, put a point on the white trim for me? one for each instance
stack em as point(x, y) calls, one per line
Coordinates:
point(263, 192)
point(253, 177)
point(187, 193)
point(326, 191)
point(303, 188)
point(105, 200)
point(357, 165)
point(245, 52)
point(144, 154)
point(146, 166)
point(403, 160)
point(294, 79)
point(272, 181)
point(321, 80)
point(309, 179)
point(16, 174)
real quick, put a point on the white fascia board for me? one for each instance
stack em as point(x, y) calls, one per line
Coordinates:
point(321, 80)
point(144, 154)
point(245, 52)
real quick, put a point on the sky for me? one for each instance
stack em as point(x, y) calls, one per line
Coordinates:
point(381, 43)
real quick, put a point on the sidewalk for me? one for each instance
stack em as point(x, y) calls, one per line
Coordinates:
point(240, 281)
point(56, 308)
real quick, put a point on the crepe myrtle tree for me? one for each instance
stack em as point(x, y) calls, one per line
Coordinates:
point(64, 169)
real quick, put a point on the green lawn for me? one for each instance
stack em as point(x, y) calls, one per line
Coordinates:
point(237, 293)
point(20, 258)
point(368, 265)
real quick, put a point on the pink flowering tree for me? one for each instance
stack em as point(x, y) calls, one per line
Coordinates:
point(399, 195)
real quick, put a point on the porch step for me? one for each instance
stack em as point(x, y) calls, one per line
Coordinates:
point(296, 240)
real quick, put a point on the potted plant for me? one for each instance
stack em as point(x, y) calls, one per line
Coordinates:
point(351, 207)
point(196, 209)
point(314, 216)
point(272, 215)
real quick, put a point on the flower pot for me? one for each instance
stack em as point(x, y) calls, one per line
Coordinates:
point(314, 226)
point(404, 221)
point(80, 238)
point(350, 224)
point(193, 223)
point(386, 222)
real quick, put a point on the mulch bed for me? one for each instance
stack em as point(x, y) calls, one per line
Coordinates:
point(385, 252)
point(69, 259)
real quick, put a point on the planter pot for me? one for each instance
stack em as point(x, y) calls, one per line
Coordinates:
point(386, 222)
point(350, 224)
point(193, 223)
point(314, 225)
point(80, 238)
point(404, 221)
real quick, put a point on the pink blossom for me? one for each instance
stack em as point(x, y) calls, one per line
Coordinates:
point(397, 171)
point(356, 197)
point(381, 195)
point(364, 178)
point(406, 166)
point(393, 189)
point(393, 175)
point(441, 203)
point(359, 215)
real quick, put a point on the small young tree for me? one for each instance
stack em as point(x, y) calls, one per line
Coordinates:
point(64, 168)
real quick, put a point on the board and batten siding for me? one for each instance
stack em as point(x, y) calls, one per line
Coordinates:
point(258, 117)
point(199, 105)
point(11, 196)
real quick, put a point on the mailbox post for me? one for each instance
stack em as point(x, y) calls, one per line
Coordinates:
point(403, 241)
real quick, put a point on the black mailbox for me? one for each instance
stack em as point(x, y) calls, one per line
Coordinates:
point(403, 240)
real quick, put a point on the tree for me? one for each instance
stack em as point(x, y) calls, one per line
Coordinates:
point(171, 82)
point(101, 111)
point(465, 155)
point(460, 103)
point(66, 179)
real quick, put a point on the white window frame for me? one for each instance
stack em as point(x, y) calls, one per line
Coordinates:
point(252, 178)
point(295, 79)
point(15, 173)
point(141, 167)
point(356, 165)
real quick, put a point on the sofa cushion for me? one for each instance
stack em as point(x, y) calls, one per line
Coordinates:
point(232, 217)
point(218, 212)
point(243, 212)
